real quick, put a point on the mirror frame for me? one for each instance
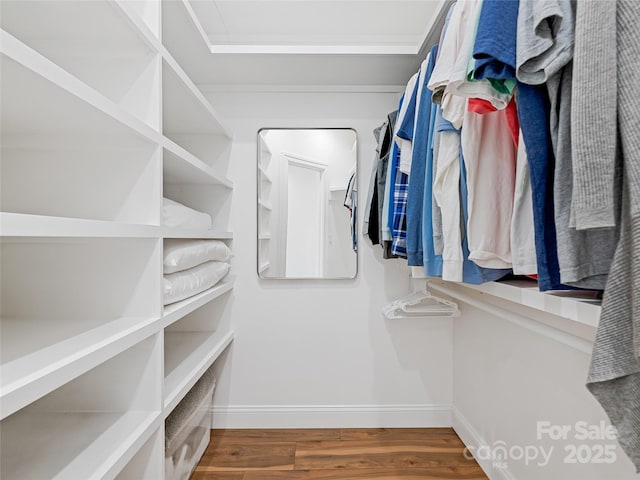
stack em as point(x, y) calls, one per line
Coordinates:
point(258, 198)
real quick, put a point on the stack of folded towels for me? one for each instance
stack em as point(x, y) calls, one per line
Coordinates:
point(190, 266)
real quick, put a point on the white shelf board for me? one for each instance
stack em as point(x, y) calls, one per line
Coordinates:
point(265, 175)
point(176, 311)
point(264, 204)
point(60, 104)
point(30, 370)
point(57, 103)
point(186, 108)
point(180, 166)
point(581, 307)
point(207, 234)
point(263, 266)
point(264, 236)
point(187, 355)
point(73, 445)
point(25, 225)
point(103, 27)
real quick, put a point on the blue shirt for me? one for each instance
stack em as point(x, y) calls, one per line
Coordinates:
point(400, 194)
point(407, 127)
point(533, 113)
point(394, 161)
point(415, 193)
point(432, 262)
point(495, 46)
point(495, 54)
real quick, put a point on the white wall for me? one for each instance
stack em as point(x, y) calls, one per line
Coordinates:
point(507, 379)
point(320, 353)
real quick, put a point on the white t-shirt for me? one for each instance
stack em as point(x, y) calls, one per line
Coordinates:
point(464, 63)
point(523, 248)
point(490, 159)
point(446, 191)
point(447, 55)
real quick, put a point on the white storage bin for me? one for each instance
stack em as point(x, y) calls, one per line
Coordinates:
point(188, 429)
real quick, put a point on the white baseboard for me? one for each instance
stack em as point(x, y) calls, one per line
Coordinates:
point(472, 438)
point(331, 416)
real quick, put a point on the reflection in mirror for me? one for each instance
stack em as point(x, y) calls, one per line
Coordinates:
point(306, 203)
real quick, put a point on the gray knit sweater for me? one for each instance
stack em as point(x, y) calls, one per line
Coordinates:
point(614, 376)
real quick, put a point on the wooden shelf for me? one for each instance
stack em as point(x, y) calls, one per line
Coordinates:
point(187, 356)
point(72, 445)
point(24, 225)
point(175, 311)
point(34, 365)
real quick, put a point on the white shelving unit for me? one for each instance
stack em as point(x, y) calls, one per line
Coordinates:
point(265, 207)
point(99, 122)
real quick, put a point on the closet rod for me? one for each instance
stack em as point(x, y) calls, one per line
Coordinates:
point(561, 336)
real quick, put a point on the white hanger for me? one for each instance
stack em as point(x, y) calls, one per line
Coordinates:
point(420, 304)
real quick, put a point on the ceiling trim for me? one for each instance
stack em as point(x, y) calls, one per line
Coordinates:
point(196, 22)
point(429, 36)
point(315, 49)
point(297, 88)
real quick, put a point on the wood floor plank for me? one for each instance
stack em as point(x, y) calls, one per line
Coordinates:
point(440, 473)
point(217, 476)
point(337, 454)
point(226, 456)
point(404, 434)
point(276, 435)
point(429, 452)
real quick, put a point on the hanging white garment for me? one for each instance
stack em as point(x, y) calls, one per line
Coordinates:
point(446, 191)
point(490, 160)
point(523, 247)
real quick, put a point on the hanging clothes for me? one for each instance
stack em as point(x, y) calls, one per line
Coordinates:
point(614, 374)
point(432, 263)
point(494, 52)
point(370, 227)
point(416, 190)
point(384, 187)
point(351, 203)
point(404, 140)
point(534, 116)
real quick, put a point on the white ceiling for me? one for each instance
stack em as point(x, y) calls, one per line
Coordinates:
point(302, 44)
point(316, 26)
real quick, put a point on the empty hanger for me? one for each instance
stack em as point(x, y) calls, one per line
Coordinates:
point(420, 304)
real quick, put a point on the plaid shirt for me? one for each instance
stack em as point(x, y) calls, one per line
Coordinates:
point(399, 223)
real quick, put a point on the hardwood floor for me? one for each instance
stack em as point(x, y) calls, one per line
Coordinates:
point(336, 454)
